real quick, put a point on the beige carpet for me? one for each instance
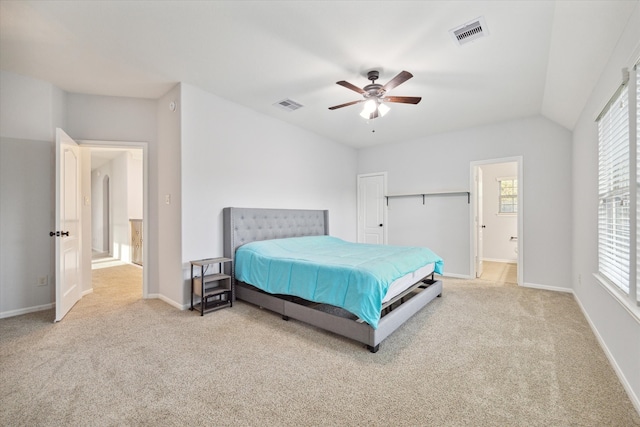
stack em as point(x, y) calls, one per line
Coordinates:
point(484, 354)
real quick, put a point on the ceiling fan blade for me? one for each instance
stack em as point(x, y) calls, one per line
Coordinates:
point(403, 99)
point(346, 104)
point(397, 80)
point(350, 86)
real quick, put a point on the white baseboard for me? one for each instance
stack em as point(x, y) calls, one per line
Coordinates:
point(632, 396)
point(547, 287)
point(49, 306)
point(33, 309)
point(172, 303)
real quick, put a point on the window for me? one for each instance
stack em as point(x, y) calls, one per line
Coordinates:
point(614, 191)
point(508, 196)
point(618, 189)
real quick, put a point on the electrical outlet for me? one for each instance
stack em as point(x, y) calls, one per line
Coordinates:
point(167, 199)
point(43, 281)
point(580, 279)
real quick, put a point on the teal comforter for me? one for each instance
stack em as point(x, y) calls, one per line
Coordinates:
point(325, 269)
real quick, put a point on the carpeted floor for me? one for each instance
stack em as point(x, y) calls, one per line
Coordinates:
point(484, 354)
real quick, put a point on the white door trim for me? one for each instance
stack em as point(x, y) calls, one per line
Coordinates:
point(145, 197)
point(478, 221)
point(521, 236)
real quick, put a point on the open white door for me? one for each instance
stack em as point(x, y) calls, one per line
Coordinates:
point(67, 232)
point(479, 222)
point(371, 208)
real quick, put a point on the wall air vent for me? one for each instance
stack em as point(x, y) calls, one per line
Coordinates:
point(288, 105)
point(470, 31)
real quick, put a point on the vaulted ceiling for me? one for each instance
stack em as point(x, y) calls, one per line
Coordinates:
point(539, 57)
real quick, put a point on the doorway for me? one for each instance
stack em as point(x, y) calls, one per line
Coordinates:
point(372, 213)
point(118, 174)
point(496, 220)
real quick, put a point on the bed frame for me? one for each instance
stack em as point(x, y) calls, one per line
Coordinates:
point(245, 225)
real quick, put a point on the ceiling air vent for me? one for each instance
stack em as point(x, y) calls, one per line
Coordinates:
point(288, 105)
point(470, 31)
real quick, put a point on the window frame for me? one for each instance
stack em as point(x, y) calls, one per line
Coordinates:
point(512, 197)
point(628, 295)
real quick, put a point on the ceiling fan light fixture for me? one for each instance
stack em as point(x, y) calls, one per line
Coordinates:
point(365, 115)
point(369, 108)
point(375, 95)
point(383, 109)
point(373, 108)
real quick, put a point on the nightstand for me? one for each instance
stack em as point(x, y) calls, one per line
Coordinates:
point(210, 283)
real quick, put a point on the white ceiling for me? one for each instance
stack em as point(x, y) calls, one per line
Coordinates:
point(541, 57)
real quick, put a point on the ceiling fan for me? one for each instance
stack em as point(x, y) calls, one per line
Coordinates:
point(375, 94)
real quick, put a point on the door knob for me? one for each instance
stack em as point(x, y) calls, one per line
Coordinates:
point(64, 233)
point(380, 225)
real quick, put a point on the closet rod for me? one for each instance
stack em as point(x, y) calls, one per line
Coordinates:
point(441, 193)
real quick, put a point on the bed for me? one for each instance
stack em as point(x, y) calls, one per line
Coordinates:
point(401, 299)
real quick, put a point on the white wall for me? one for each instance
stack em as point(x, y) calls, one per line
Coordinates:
point(30, 109)
point(85, 213)
point(442, 162)
point(498, 245)
point(29, 112)
point(126, 174)
point(110, 118)
point(105, 118)
point(117, 171)
point(119, 180)
point(135, 184)
point(169, 229)
point(233, 156)
point(99, 227)
point(617, 329)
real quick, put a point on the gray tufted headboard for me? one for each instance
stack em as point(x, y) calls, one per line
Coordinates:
point(245, 225)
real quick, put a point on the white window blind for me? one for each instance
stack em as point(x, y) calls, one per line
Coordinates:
point(637, 201)
point(614, 236)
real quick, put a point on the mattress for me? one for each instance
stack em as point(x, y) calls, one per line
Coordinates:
point(324, 269)
point(405, 282)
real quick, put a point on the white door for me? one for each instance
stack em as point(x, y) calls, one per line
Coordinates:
point(67, 224)
point(371, 208)
point(479, 222)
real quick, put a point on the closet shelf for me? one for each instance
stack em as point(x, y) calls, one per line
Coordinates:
point(433, 194)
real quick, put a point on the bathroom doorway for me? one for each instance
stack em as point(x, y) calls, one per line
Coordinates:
point(497, 220)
